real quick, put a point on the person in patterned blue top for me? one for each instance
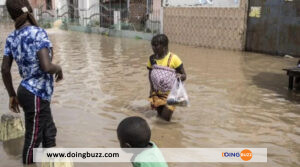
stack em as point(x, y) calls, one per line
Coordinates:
point(31, 49)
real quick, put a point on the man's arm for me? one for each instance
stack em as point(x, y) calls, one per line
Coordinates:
point(7, 79)
point(46, 63)
point(6, 75)
point(181, 72)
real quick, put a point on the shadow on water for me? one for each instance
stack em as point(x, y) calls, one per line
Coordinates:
point(265, 72)
point(277, 83)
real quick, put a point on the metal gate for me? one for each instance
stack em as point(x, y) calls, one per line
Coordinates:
point(274, 27)
point(107, 9)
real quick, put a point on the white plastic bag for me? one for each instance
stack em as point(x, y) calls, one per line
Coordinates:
point(178, 95)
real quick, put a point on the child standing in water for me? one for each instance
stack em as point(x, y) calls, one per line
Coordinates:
point(164, 68)
point(134, 132)
point(30, 47)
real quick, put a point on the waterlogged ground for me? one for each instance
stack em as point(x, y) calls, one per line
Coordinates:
point(237, 99)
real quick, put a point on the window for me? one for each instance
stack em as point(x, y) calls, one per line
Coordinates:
point(149, 6)
point(49, 4)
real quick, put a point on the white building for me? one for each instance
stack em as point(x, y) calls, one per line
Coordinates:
point(60, 3)
point(88, 9)
point(87, 12)
point(61, 7)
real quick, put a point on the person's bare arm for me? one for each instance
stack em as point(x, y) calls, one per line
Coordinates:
point(180, 72)
point(6, 75)
point(151, 85)
point(7, 79)
point(47, 65)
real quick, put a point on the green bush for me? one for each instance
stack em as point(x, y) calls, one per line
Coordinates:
point(45, 25)
point(137, 37)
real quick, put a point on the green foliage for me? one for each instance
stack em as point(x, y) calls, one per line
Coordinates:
point(45, 25)
point(137, 37)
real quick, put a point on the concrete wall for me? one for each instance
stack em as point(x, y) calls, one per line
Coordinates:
point(111, 32)
point(221, 28)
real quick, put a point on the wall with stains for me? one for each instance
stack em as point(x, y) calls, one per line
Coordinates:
point(210, 27)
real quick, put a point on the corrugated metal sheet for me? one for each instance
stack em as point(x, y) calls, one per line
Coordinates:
point(276, 28)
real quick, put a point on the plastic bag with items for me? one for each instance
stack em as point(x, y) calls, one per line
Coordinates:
point(178, 95)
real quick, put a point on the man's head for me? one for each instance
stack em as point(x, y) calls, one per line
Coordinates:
point(160, 44)
point(134, 132)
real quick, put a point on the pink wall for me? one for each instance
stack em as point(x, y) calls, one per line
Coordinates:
point(38, 3)
point(156, 5)
point(155, 16)
point(33, 3)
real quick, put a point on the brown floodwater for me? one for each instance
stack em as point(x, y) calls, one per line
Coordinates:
point(237, 99)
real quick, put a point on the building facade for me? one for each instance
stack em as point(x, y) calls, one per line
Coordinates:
point(207, 3)
point(220, 26)
point(139, 14)
point(44, 4)
point(145, 14)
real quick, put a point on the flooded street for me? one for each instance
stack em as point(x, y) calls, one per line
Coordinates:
point(237, 99)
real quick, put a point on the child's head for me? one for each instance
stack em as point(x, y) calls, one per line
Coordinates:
point(134, 132)
point(160, 44)
point(20, 11)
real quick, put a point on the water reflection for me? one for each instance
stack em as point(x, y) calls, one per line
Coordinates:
point(14, 147)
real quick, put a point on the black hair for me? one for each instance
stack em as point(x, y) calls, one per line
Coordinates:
point(20, 11)
point(134, 131)
point(161, 39)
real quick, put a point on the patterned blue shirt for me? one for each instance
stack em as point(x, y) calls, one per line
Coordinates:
point(23, 45)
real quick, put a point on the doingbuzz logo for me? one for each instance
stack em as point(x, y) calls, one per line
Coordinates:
point(245, 155)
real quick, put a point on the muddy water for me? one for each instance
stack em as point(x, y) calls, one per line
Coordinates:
point(237, 99)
